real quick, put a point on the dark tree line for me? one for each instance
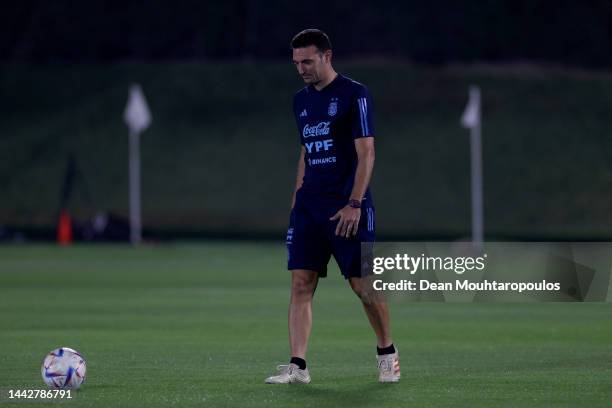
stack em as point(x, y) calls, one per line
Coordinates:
point(435, 31)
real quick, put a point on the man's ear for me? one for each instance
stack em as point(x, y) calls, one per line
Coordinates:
point(327, 56)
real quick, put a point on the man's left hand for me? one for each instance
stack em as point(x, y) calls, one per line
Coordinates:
point(349, 221)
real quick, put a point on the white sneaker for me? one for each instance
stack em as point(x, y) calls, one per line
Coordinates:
point(290, 374)
point(389, 368)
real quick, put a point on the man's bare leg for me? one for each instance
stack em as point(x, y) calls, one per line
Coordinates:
point(303, 285)
point(376, 309)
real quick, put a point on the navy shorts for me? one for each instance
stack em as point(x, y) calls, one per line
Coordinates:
point(311, 239)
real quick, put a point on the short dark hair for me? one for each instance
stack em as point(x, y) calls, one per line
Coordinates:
point(311, 36)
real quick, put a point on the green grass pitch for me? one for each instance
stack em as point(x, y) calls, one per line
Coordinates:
point(204, 324)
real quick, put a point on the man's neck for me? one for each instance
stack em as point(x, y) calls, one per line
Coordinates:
point(328, 80)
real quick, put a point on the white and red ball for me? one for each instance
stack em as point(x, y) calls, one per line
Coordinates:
point(64, 368)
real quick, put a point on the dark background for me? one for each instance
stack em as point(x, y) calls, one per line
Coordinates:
point(220, 156)
point(437, 31)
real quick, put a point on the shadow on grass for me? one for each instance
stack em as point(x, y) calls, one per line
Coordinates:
point(338, 394)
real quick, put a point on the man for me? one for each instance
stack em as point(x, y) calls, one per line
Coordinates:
point(332, 210)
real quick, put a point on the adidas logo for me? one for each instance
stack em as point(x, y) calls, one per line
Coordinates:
point(303, 114)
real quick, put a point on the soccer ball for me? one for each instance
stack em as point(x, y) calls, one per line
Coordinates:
point(64, 368)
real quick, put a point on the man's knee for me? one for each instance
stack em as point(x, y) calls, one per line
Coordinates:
point(357, 287)
point(367, 295)
point(303, 283)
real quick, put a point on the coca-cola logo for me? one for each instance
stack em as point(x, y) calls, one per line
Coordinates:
point(320, 129)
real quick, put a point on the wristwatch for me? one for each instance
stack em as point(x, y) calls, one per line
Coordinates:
point(354, 203)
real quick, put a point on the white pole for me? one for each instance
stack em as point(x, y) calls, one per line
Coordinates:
point(134, 169)
point(472, 119)
point(138, 117)
point(477, 210)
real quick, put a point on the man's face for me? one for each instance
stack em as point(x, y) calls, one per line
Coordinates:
point(311, 63)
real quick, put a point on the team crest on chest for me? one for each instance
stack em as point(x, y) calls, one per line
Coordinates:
point(332, 109)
